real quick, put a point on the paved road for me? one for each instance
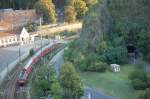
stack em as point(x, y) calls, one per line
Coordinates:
point(93, 94)
point(10, 54)
point(58, 61)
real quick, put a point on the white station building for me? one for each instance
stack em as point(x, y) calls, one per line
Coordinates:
point(23, 38)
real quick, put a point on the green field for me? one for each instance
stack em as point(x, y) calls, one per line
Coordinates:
point(114, 84)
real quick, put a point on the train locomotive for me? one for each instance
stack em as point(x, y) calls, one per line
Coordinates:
point(27, 69)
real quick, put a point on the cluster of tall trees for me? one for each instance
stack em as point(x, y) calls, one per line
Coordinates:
point(72, 9)
point(76, 9)
point(46, 8)
point(67, 86)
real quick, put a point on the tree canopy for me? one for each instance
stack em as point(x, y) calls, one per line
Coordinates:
point(46, 9)
point(70, 82)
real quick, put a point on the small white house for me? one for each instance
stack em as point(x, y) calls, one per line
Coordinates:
point(115, 67)
point(25, 37)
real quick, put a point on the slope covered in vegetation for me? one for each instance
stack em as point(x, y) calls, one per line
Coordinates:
point(108, 28)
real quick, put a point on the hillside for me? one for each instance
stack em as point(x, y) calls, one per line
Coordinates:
point(115, 23)
point(108, 29)
point(111, 29)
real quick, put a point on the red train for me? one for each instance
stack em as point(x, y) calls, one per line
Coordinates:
point(22, 79)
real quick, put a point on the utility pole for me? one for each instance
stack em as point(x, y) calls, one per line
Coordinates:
point(8, 72)
point(41, 37)
point(19, 55)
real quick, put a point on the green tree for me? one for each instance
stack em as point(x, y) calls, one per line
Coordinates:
point(81, 8)
point(45, 76)
point(31, 27)
point(70, 14)
point(70, 82)
point(56, 90)
point(46, 9)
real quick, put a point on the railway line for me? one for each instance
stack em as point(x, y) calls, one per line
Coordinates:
point(12, 90)
point(20, 93)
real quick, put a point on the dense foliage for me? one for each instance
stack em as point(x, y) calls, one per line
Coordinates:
point(108, 28)
point(45, 80)
point(139, 79)
point(74, 9)
point(70, 14)
point(70, 81)
point(31, 27)
point(46, 8)
point(69, 10)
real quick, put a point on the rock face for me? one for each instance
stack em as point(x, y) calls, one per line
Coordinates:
point(100, 20)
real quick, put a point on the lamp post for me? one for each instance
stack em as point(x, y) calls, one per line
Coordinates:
point(41, 38)
point(19, 55)
point(7, 71)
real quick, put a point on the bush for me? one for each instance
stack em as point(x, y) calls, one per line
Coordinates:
point(139, 79)
point(139, 74)
point(115, 55)
point(31, 52)
point(138, 84)
point(98, 67)
point(31, 27)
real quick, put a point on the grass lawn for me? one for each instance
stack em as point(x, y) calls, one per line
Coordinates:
point(114, 84)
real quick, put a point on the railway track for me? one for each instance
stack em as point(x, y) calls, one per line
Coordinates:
point(11, 90)
point(20, 93)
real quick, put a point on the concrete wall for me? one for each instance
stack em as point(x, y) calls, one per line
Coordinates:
point(3, 74)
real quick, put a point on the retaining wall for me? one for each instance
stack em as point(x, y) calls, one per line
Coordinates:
point(11, 66)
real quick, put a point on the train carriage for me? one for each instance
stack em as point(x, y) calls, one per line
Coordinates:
point(22, 79)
